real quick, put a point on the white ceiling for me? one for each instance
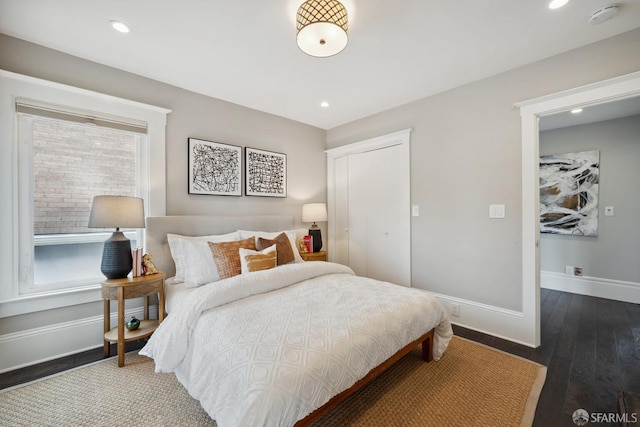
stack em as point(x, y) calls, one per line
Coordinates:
point(244, 51)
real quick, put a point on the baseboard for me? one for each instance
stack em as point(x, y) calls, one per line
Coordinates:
point(488, 319)
point(26, 348)
point(593, 286)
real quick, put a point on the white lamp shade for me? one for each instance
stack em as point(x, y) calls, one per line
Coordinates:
point(117, 211)
point(322, 27)
point(314, 212)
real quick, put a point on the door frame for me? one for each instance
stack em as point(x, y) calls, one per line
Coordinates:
point(614, 89)
point(403, 138)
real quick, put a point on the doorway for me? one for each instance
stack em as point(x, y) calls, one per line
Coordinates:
point(530, 111)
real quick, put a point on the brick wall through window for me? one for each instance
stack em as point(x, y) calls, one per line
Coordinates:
point(74, 162)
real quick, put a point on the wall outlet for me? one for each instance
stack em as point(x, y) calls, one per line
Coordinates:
point(577, 271)
point(455, 309)
point(569, 270)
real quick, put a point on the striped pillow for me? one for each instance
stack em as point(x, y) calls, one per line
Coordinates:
point(258, 260)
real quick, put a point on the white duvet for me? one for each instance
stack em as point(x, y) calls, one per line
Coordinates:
point(270, 347)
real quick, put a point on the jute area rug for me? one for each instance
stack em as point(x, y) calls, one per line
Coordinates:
point(471, 385)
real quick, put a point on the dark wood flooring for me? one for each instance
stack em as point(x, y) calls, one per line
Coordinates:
point(591, 347)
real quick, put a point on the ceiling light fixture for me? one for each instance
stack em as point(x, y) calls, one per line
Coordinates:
point(576, 110)
point(324, 104)
point(555, 4)
point(120, 26)
point(322, 27)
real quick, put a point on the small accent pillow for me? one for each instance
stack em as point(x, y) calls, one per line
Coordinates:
point(258, 260)
point(283, 246)
point(291, 234)
point(227, 255)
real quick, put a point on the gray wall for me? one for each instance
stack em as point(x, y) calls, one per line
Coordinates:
point(466, 155)
point(614, 253)
point(192, 115)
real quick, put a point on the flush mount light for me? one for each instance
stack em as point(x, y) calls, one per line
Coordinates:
point(120, 26)
point(555, 4)
point(322, 27)
point(576, 111)
point(324, 104)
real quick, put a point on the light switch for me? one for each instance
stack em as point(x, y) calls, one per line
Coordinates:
point(608, 211)
point(415, 210)
point(497, 211)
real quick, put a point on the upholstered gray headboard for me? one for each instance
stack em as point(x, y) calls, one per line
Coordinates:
point(201, 225)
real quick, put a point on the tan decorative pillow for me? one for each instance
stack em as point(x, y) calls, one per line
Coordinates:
point(227, 255)
point(283, 247)
point(258, 260)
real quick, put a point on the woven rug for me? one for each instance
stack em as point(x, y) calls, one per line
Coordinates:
point(471, 385)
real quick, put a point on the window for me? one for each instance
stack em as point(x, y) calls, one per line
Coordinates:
point(69, 161)
point(59, 147)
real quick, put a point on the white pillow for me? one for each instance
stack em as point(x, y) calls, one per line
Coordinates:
point(258, 260)
point(180, 244)
point(291, 234)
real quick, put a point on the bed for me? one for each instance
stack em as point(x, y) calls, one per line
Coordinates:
point(280, 346)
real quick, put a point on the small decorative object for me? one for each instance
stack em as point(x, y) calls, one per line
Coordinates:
point(147, 266)
point(266, 173)
point(214, 168)
point(133, 324)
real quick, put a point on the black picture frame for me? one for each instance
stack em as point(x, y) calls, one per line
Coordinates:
point(266, 173)
point(214, 168)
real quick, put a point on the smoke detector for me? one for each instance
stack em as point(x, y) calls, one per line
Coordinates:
point(604, 14)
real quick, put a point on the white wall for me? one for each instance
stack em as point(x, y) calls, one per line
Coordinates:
point(466, 155)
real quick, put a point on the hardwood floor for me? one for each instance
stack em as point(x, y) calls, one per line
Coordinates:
point(591, 347)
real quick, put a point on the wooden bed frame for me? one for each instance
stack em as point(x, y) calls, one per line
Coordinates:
point(427, 354)
point(201, 225)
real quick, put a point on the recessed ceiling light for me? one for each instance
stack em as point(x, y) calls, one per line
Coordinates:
point(555, 4)
point(576, 111)
point(324, 104)
point(120, 26)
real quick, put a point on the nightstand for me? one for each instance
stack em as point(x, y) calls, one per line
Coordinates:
point(120, 290)
point(314, 256)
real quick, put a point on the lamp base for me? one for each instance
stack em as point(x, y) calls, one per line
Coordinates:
point(317, 238)
point(116, 256)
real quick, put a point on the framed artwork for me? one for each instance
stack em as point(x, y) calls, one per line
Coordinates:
point(214, 168)
point(266, 173)
point(569, 193)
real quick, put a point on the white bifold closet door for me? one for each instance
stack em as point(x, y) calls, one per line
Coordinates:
point(372, 213)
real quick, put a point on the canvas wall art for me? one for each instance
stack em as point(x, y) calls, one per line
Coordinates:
point(569, 193)
point(214, 168)
point(266, 173)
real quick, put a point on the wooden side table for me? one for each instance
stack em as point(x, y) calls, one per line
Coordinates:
point(120, 290)
point(314, 256)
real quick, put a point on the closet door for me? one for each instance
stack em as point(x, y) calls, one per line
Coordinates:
point(379, 233)
point(369, 207)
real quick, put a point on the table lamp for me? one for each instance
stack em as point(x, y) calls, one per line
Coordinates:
point(315, 212)
point(118, 212)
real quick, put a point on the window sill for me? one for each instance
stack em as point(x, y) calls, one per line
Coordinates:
point(49, 301)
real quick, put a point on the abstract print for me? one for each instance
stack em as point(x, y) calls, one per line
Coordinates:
point(569, 193)
point(214, 168)
point(266, 173)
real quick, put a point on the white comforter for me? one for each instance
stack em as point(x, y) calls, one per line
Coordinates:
point(268, 348)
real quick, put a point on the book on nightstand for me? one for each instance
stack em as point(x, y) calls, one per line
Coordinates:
point(308, 243)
